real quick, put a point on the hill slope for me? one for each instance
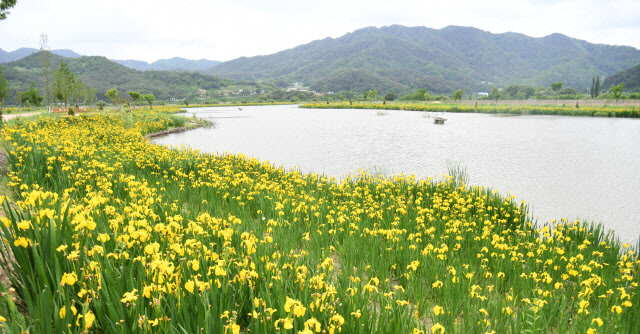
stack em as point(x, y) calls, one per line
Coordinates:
point(102, 74)
point(440, 60)
point(630, 77)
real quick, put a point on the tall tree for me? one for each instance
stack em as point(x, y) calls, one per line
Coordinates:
point(63, 83)
point(617, 91)
point(422, 92)
point(373, 94)
point(597, 88)
point(390, 96)
point(555, 87)
point(4, 6)
point(89, 94)
point(457, 95)
point(495, 94)
point(5, 92)
point(31, 97)
point(112, 95)
point(592, 92)
point(135, 96)
point(150, 98)
point(81, 92)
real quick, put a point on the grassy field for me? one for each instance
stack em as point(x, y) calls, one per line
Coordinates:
point(514, 109)
point(112, 234)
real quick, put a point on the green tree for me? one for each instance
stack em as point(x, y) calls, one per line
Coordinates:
point(4, 6)
point(365, 95)
point(422, 92)
point(390, 96)
point(63, 83)
point(520, 92)
point(555, 87)
point(597, 88)
point(592, 91)
point(457, 95)
point(135, 96)
point(88, 94)
point(31, 97)
point(149, 98)
point(617, 91)
point(373, 94)
point(495, 94)
point(112, 95)
point(81, 92)
point(5, 92)
point(567, 91)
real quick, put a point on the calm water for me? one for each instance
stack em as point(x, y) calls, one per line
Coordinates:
point(564, 167)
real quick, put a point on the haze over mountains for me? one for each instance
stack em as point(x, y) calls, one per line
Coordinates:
point(402, 59)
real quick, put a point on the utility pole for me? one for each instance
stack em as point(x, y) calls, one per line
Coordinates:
point(45, 60)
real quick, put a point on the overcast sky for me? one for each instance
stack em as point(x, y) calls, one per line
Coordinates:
point(223, 30)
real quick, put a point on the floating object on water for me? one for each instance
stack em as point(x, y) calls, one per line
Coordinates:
point(239, 108)
point(439, 120)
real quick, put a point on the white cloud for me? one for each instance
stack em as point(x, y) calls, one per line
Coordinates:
point(223, 30)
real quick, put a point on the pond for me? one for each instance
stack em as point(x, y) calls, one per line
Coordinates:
point(563, 167)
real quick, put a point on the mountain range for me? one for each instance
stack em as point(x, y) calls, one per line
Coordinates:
point(441, 60)
point(173, 64)
point(102, 74)
point(402, 59)
point(6, 57)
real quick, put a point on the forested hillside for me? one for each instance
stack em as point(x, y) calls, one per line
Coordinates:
point(398, 57)
point(102, 74)
point(630, 77)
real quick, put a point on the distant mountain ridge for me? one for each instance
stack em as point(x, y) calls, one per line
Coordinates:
point(175, 63)
point(402, 59)
point(440, 60)
point(18, 54)
point(103, 74)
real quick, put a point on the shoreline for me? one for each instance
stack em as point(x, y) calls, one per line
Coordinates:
point(587, 111)
point(169, 131)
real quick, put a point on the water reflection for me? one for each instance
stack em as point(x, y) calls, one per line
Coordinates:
point(569, 167)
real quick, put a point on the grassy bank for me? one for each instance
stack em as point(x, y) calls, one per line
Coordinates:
point(591, 111)
point(113, 234)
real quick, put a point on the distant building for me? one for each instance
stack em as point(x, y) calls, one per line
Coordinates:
point(202, 93)
point(483, 94)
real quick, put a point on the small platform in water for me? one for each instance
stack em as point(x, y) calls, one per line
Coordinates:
point(439, 120)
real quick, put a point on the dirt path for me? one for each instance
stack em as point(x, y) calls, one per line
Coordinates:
point(7, 117)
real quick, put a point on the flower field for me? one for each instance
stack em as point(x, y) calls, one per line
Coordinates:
point(112, 234)
point(590, 111)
